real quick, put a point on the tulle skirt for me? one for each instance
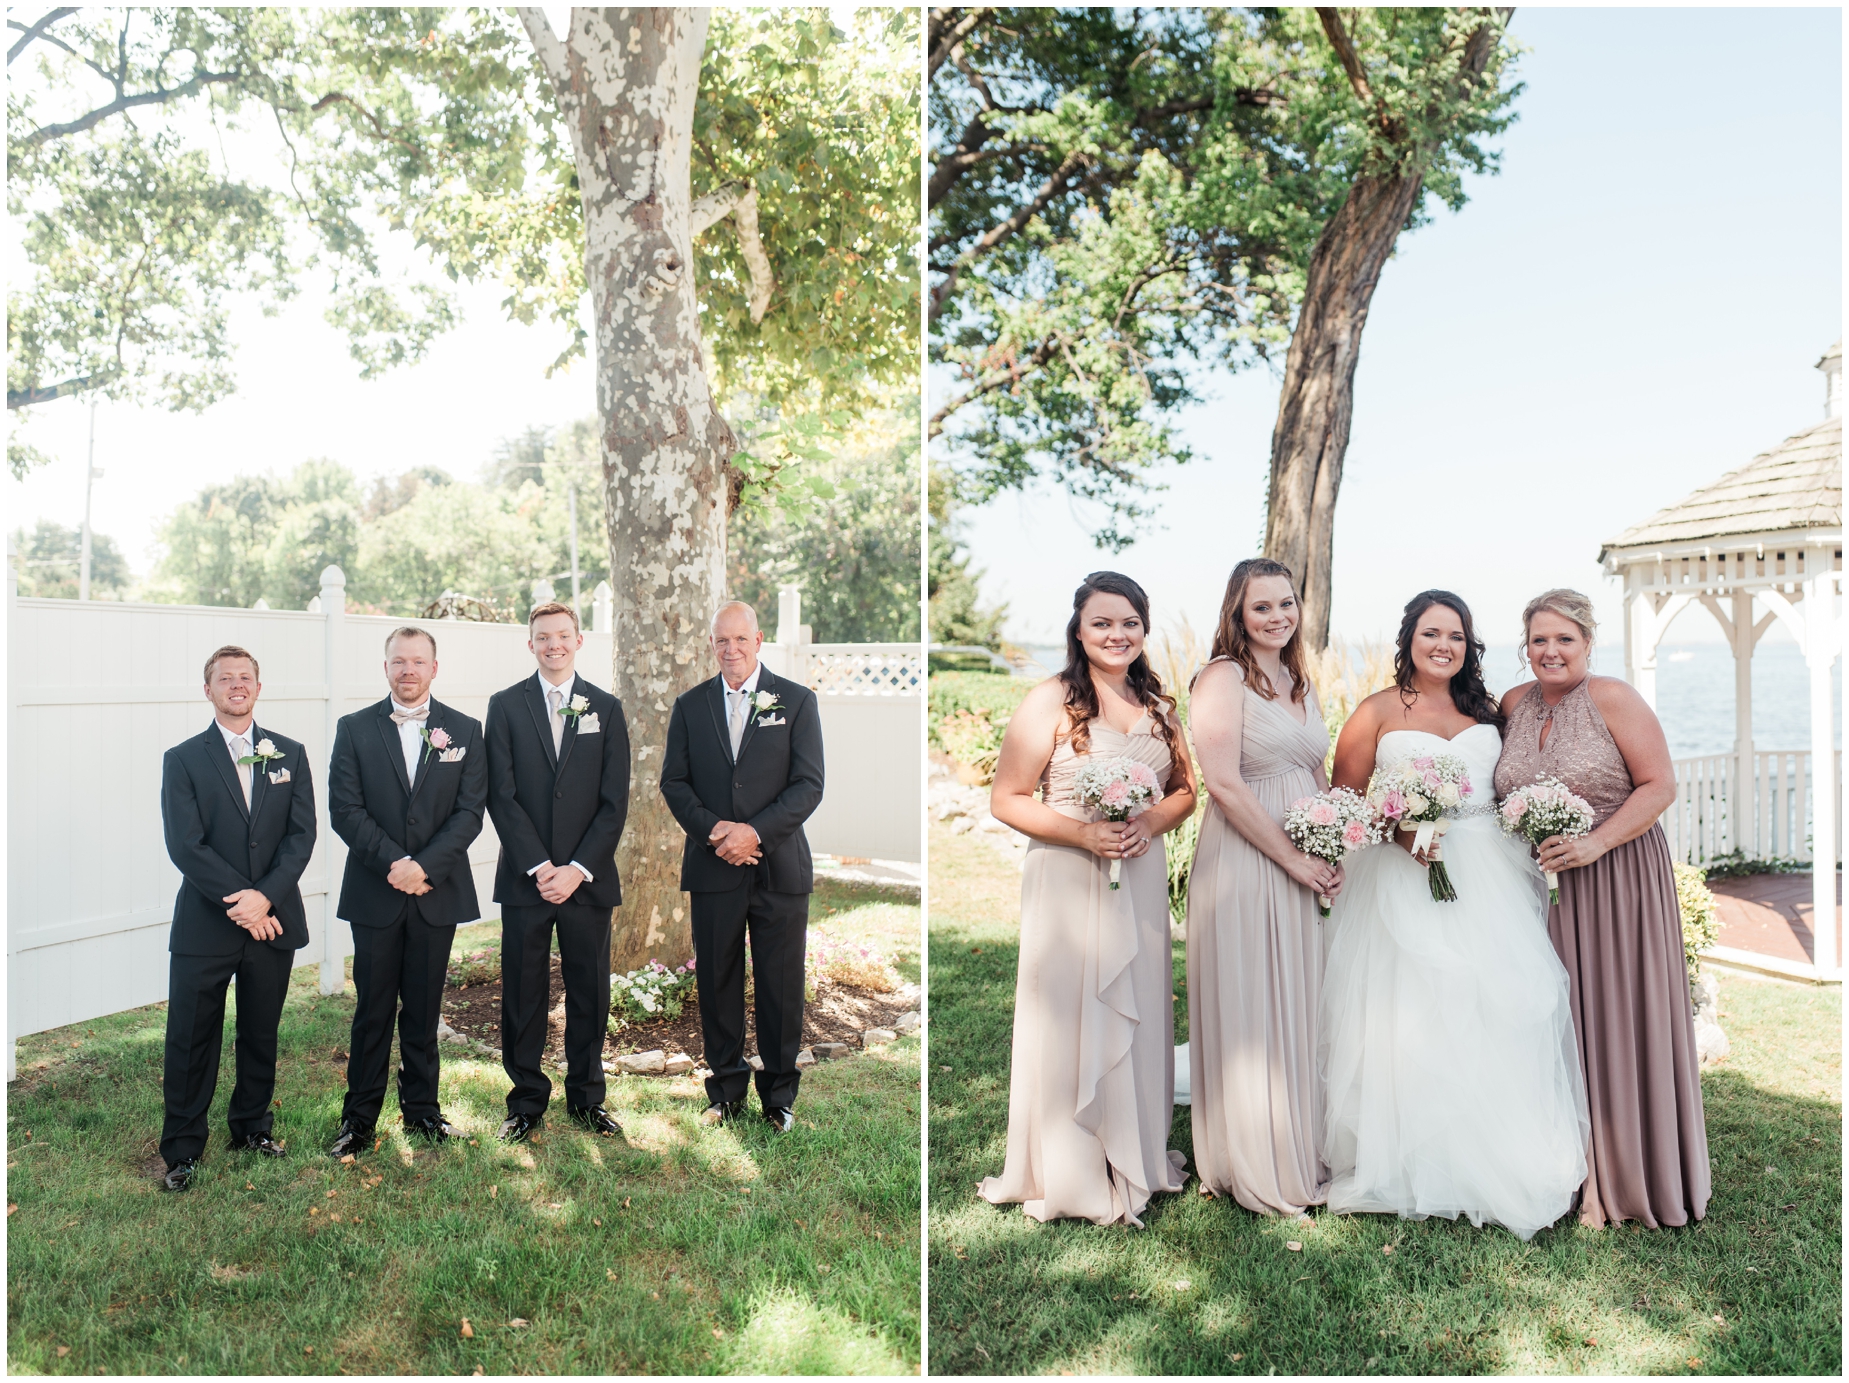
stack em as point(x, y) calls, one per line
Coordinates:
point(1447, 1050)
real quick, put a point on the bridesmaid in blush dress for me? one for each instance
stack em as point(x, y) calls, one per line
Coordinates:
point(1617, 927)
point(1091, 1086)
point(1255, 944)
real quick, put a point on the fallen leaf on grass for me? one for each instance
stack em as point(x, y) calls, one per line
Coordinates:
point(625, 1202)
point(801, 1225)
point(1238, 1358)
point(652, 1296)
point(1388, 1248)
point(349, 1160)
point(378, 1143)
point(1591, 1343)
point(468, 1331)
point(610, 1273)
point(314, 1210)
point(10, 1208)
point(1294, 1246)
point(1694, 1363)
point(332, 1194)
point(519, 1323)
point(250, 1186)
point(598, 1223)
point(493, 1191)
point(1719, 1319)
point(63, 1350)
point(718, 1334)
point(308, 1349)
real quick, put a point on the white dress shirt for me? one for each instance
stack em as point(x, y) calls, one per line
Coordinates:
point(409, 738)
point(558, 738)
point(240, 745)
point(735, 723)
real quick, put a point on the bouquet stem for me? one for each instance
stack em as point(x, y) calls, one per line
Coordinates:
point(1117, 870)
point(1440, 878)
point(1553, 887)
point(1323, 902)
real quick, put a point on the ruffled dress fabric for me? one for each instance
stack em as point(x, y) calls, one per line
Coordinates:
point(1448, 1052)
point(1091, 1082)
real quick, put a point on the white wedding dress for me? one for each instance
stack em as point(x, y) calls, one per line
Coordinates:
point(1446, 1046)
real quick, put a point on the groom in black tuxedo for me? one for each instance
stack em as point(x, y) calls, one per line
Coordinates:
point(238, 811)
point(407, 786)
point(558, 790)
point(742, 772)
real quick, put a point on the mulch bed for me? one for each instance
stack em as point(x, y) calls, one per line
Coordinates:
point(838, 1013)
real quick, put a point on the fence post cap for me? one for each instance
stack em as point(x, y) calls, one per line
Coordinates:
point(333, 576)
point(603, 591)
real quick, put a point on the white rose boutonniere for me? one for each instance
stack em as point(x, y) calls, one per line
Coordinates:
point(576, 707)
point(266, 750)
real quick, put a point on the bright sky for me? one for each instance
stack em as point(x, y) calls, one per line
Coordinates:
point(1631, 309)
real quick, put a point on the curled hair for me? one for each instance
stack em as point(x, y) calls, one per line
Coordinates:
point(1230, 639)
point(1081, 695)
point(1468, 692)
point(1569, 605)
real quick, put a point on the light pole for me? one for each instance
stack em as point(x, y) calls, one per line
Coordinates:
point(91, 475)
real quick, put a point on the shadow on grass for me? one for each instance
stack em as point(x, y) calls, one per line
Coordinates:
point(680, 1249)
point(1212, 1288)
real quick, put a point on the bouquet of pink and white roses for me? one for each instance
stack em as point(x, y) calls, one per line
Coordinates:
point(1546, 807)
point(1415, 797)
point(1115, 788)
point(1329, 825)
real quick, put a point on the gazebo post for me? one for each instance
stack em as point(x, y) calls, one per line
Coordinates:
point(1745, 830)
point(1820, 653)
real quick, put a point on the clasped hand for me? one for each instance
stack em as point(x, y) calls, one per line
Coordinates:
point(1116, 840)
point(735, 842)
point(1569, 852)
point(557, 882)
point(1317, 875)
point(407, 876)
point(251, 911)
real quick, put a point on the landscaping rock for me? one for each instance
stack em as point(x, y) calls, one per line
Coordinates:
point(908, 1023)
point(445, 1033)
point(878, 1037)
point(642, 1063)
point(755, 1062)
point(1710, 1041)
point(805, 1058)
point(830, 1051)
point(962, 824)
point(678, 1063)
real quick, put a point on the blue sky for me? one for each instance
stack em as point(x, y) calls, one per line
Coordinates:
point(1632, 308)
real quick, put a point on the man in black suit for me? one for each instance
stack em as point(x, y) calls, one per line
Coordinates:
point(406, 789)
point(742, 772)
point(558, 790)
point(238, 811)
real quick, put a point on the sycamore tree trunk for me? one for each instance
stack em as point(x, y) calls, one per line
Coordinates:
point(625, 81)
point(1311, 436)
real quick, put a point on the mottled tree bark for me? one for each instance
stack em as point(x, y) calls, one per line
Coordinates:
point(625, 79)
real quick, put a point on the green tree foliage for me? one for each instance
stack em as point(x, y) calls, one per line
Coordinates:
point(956, 616)
point(1119, 197)
point(49, 557)
point(855, 557)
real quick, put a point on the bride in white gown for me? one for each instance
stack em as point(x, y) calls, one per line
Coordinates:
point(1447, 1050)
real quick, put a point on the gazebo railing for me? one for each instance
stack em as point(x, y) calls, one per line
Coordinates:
point(1769, 819)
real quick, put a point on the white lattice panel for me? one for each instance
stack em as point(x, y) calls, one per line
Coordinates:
point(865, 669)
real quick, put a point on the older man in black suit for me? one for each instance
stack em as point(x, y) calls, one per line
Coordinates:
point(407, 788)
point(238, 811)
point(558, 790)
point(742, 772)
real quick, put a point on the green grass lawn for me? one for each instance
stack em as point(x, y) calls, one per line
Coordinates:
point(682, 1250)
point(1212, 1288)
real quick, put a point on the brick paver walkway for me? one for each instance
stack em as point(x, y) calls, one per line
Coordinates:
point(1771, 914)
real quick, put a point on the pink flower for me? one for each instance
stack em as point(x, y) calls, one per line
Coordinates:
point(1142, 775)
point(1423, 761)
point(1354, 834)
point(1394, 806)
point(439, 739)
point(1463, 785)
point(1431, 782)
point(1301, 803)
point(1116, 795)
point(1323, 813)
point(1514, 808)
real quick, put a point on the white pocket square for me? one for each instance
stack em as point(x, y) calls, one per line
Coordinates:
point(589, 724)
point(771, 720)
point(280, 775)
point(450, 756)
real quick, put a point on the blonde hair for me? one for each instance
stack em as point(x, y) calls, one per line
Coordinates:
point(1569, 605)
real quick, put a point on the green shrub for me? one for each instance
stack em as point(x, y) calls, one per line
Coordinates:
point(1699, 925)
point(1735, 864)
point(475, 967)
point(1181, 843)
point(972, 739)
point(994, 692)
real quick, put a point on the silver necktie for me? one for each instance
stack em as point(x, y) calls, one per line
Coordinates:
point(239, 748)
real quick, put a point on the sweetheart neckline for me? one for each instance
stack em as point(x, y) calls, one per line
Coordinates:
point(1480, 725)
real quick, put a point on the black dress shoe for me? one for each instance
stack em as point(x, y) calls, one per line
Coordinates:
point(597, 1119)
point(180, 1175)
point(780, 1117)
point(352, 1140)
point(518, 1126)
point(259, 1143)
point(435, 1128)
point(723, 1112)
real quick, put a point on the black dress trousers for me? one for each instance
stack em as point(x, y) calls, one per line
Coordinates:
point(526, 999)
point(405, 960)
point(195, 1036)
point(778, 925)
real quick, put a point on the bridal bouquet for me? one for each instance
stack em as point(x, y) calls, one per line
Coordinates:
point(1546, 807)
point(1329, 825)
point(1415, 797)
point(1115, 788)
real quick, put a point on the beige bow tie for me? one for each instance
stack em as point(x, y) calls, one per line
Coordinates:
point(403, 717)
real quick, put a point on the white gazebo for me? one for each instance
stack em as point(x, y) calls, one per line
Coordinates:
point(1762, 543)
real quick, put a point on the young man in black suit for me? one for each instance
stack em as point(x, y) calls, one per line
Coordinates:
point(238, 811)
point(407, 786)
point(558, 790)
point(742, 772)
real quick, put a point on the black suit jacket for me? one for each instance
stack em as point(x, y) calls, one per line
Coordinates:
point(774, 787)
point(220, 847)
point(383, 815)
point(556, 807)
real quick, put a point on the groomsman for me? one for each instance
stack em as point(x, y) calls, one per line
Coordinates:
point(406, 788)
point(558, 790)
point(238, 811)
point(742, 772)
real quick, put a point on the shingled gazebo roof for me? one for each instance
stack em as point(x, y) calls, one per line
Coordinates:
point(1796, 486)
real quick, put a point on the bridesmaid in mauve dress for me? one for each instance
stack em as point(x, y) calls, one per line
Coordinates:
point(1092, 1082)
point(1617, 927)
point(1255, 944)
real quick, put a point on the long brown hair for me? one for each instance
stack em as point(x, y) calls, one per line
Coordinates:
point(1468, 692)
point(1081, 695)
point(1230, 639)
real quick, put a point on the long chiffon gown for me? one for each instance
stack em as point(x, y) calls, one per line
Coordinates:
point(1618, 931)
point(1091, 1086)
point(1255, 972)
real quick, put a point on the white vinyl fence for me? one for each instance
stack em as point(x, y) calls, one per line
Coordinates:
point(98, 691)
point(1769, 819)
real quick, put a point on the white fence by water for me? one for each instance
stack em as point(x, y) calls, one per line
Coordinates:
point(99, 691)
point(1770, 819)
